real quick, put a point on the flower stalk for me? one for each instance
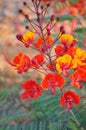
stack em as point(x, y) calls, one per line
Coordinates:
point(76, 121)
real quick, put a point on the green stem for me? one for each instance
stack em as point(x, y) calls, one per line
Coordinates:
point(77, 122)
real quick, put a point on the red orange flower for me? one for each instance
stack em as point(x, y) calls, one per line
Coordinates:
point(32, 89)
point(38, 61)
point(71, 51)
point(41, 45)
point(51, 81)
point(59, 50)
point(21, 62)
point(79, 76)
point(68, 98)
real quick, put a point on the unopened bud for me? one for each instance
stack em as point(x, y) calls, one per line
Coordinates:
point(48, 4)
point(34, 61)
point(26, 16)
point(33, 1)
point(20, 11)
point(24, 3)
point(19, 37)
point(57, 18)
point(27, 27)
point(48, 28)
point(52, 17)
point(63, 31)
point(61, 28)
point(48, 33)
point(42, 7)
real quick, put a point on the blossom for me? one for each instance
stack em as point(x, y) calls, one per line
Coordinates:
point(81, 54)
point(21, 62)
point(26, 38)
point(71, 51)
point(74, 57)
point(79, 76)
point(63, 63)
point(38, 61)
point(32, 89)
point(43, 45)
point(68, 98)
point(79, 58)
point(67, 40)
point(51, 81)
point(59, 50)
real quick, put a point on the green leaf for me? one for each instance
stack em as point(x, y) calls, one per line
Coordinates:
point(73, 1)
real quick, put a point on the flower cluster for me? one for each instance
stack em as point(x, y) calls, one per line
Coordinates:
point(59, 63)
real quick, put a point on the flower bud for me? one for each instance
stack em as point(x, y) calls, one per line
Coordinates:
point(61, 28)
point(24, 3)
point(48, 4)
point(27, 27)
point(42, 7)
point(19, 37)
point(52, 17)
point(26, 16)
point(57, 18)
point(20, 10)
point(63, 31)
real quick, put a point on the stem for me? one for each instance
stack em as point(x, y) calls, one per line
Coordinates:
point(30, 9)
point(77, 122)
point(46, 70)
point(39, 70)
point(51, 62)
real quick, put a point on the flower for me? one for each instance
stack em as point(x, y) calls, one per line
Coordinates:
point(79, 76)
point(51, 81)
point(26, 38)
point(73, 58)
point(32, 89)
point(21, 62)
point(79, 58)
point(43, 46)
point(59, 50)
point(68, 98)
point(67, 40)
point(38, 61)
point(71, 51)
point(63, 63)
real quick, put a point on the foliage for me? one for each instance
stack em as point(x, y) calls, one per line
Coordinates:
point(45, 113)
